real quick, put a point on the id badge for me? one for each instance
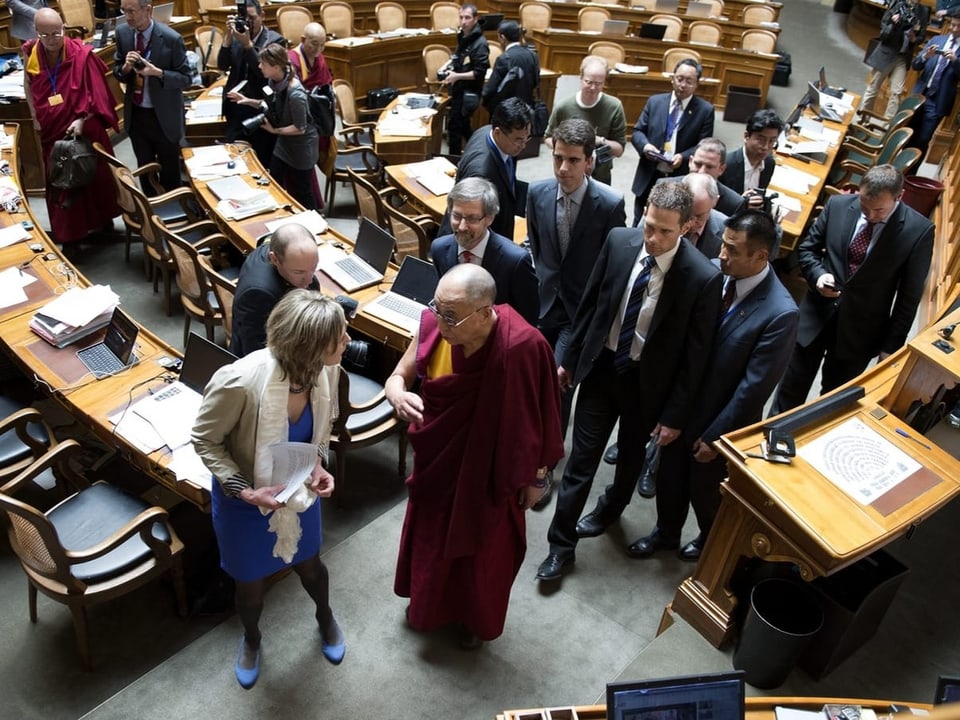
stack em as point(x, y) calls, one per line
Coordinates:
point(55, 100)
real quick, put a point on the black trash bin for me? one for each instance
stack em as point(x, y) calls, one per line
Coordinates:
point(783, 617)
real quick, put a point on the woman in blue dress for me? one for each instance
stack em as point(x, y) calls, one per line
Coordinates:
point(285, 392)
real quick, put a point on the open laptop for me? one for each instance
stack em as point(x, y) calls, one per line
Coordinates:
point(716, 696)
point(615, 27)
point(667, 6)
point(820, 107)
point(948, 690)
point(824, 87)
point(491, 22)
point(652, 31)
point(115, 352)
point(413, 288)
point(367, 263)
point(699, 9)
point(163, 13)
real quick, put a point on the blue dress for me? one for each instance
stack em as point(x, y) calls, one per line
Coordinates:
point(246, 545)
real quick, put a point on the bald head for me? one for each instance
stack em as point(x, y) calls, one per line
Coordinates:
point(47, 20)
point(313, 40)
point(469, 283)
point(293, 252)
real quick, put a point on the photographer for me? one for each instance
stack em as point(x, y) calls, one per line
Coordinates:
point(243, 40)
point(464, 76)
point(902, 26)
point(285, 115)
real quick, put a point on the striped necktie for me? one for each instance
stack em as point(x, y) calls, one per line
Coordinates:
point(621, 358)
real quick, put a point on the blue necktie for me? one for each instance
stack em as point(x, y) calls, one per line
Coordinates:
point(511, 171)
point(621, 358)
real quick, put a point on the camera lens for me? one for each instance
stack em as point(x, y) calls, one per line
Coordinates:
point(356, 354)
point(139, 65)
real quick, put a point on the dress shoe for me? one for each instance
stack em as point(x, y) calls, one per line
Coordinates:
point(467, 640)
point(592, 524)
point(610, 456)
point(547, 493)
point(246, 676)
point(691, 551)
point(552, 567)
point(646, 546)
point(334, 646)
point(647, 487)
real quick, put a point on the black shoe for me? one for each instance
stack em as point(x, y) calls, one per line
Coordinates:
point(691, 551)
point(593, 524)
point(610, 456)
point(646, 546)
point(467, 640)
point(547, 493)
point(647, 487)
point(552, 567)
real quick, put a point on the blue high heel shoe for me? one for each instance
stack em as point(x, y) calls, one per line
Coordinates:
point(334, 653)
point(247, 677)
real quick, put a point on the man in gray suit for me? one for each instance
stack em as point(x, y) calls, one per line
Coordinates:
point(152, 61)
point(22, 12)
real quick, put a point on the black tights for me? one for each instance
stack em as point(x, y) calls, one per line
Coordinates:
point(315, 580)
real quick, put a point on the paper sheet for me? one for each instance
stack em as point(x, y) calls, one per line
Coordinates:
point(187, 465)
point(292, 464)
point(12, 283)
point(311, 220)
point(13, 234)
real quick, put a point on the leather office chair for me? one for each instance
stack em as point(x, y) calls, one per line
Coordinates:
point(291, 19)
point(591, 19)
point(854, 163)
point(390, 16)
point(444, 16)
point(24, 437)
point(337, 19)
point(225, 289)
point(365, 419)
point(674, 25)
point(413, 234)
point(674, 55)
point(435, 56)
point(535, 16)
point(612, 52)
point(98, 544)
point(704, 32)
point(759, 13)
point(209, 40)
point(757, 40)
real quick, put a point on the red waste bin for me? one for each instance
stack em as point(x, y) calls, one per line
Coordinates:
point(921, 193)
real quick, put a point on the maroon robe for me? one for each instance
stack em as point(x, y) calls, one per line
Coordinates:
point(81, 83)
point(317, 76)
point(487, 428)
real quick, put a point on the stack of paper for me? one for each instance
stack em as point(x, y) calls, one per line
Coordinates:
point(75, 314)
point(795, 181)
point(204, 109)
point(436, 175)
point(238, 200)
point(311, 220)
point(631, 69)
point(407, 122)
point(214, 161)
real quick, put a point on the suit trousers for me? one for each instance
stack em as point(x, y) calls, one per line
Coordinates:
point(150, 144)
point(605, 396)
point(458, 124)
point(683, 482)
point(558, 337)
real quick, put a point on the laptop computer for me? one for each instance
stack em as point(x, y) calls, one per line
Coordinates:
point(163, 13)
point(413, 288)
point(115, 352)
point(820, 108)
point(491, 21)
point(716, 696)
point(367, 263)
point(615, 27)
point(824, 87)
point(699, 9)
point(667, 6)
point(652, 31)
point(948, 690)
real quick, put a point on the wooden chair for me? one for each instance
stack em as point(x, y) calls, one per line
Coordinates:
point(209, 41)
point(495, 51)
point(535, 16)
point(98, 544)
point(225, 289)
point(413, 234)
point(205, 6)
point(337, 19)
point(612, 52)
point(365, 419)
point(370, 199)
point(354, 130)
point(291, 19)
point(854, 164)
point(759, 13)
point(756, 40)
point(444, 16)
point(674, 25)
point(78, 19)
point(591, 19)
point(435, 56)
point(391, 16)
point(24, 437)
point(674, 55)
point(362, 160)
point(865, 138)
point(716, 7)
point(704, 32)
point(878, 121)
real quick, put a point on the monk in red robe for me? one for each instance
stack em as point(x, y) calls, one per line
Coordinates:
point(312, 70)
point(66, 88)
point(485, 427)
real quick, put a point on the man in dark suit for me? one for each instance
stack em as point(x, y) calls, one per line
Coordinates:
point(151, 61)
point(491, 153)
point(710, 157)
point(750, 167)
point(751, 349)
point(938, 83)
point(472, 205)
point(865, 260)
point(516, 73)
point(670, 126)
point(638, 349)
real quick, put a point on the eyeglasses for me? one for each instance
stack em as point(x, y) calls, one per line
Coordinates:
point(682, 80)
point(47, 36)
point(596, 84)
point(456, 218)
point(764, 141)
point(447, 319)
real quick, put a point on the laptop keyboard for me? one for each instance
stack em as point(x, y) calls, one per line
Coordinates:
point(402, 305)
point(355, 270)
point(100, 360)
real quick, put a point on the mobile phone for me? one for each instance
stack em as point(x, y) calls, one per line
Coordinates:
point(834, 286)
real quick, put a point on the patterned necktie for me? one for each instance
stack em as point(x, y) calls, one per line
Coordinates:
point(621, 358)
point(729, 295)
point(673, 119)
point(563, 224)
point(511, 166)
point(138, 92)
point(466, 257)
point(938, 70)
point(858, 248)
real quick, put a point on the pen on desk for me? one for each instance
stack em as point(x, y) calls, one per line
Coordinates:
point(904, 433)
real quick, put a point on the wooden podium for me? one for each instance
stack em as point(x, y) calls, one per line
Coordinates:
point(793, 513)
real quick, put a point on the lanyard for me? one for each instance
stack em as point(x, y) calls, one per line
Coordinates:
point(52, 76)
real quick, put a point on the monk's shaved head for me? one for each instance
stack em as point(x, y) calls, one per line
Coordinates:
point(470, 283)
point(48, 20)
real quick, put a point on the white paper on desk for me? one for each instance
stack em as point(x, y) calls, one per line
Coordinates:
point(395, 126)
point(292, 464)
point(12, 283)
point(786, 713)
point(810, 146)
point(136, 431)
point(78, 306)
point(171, 411)
point(788, 203)
point(792, 180)
point(6, 141)
point(204, 109)
point(311, 220)
point(859, 460)
point(13, 234)
point(631, 69)
point(187, 465)
point(241, 210)
point(209, 155)
point(351, 41)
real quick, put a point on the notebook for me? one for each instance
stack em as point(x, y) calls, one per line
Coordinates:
point(717, 696)
point(413, 288)
point(699, 9)
point(652, 31)
point(818, 105)
point(614, 27)
point(367, 263)
point(115, 353)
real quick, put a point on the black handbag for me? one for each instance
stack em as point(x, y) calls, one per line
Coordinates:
point(541, 117)
point(381, 97)
point(73, 163)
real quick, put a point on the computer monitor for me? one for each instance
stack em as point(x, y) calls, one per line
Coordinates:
point(717, 696)
point(491, 21)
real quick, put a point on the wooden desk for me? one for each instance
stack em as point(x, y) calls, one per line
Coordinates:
point(406, 149)
point(423, 199)
point(792, 513)
point(563, 52)
point(364, 15)
point(207, 130)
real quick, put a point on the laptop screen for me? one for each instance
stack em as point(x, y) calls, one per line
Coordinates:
point(121, 336)
point(948, 690)
point(718, 696)
point(699, 9)
point(163, 13)
point(416, 280)
point(614, 27)
point(201, 359)
point(653, 31)
point(667, 6)
point(823, 78)
point(491, 21)
point(374, 245)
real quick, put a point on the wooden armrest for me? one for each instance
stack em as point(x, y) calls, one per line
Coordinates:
point(865, 130)
point(369, 404)
point(141, 525)
point(854, 166)
point(55, 456)
point(860, 146)
point(76, 31)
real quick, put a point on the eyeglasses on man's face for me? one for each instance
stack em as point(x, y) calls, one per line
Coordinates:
point(50, 35)
point(448, 318)
point(456, 218)
point(595, 84)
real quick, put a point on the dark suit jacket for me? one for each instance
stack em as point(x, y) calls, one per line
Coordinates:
point(730, 200)
point(749, 356)
point(696, 123)
point(711, 239)
point(510, 265)
point(878, 303)
point(733, 176)
point(480, 160)
point(946, 90)
point(244, 65)
point(565, 278)
point(524, 59)
point(674, 357)
point(168, 53)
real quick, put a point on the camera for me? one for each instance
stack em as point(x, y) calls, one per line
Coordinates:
point(139, 65)
point(238, 23)
point(355, 354)
point(443, 73)
point(251, 125)
point(603, 155)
